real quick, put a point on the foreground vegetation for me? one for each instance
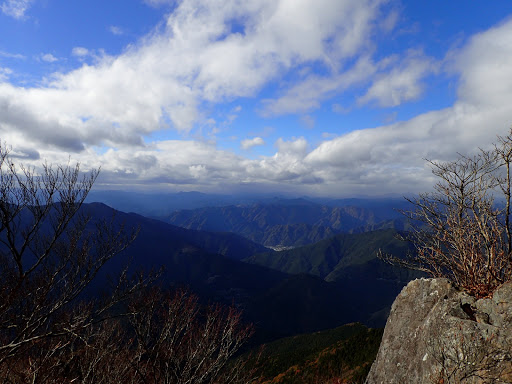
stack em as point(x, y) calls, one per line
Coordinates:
point(463, 229)
point(341, 355)
point(55, 328)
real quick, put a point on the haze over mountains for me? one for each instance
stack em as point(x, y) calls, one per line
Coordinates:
point(270, 221)
point(327, 276)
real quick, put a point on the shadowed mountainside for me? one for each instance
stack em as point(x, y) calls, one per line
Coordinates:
point(278, 304)
point(350, 261)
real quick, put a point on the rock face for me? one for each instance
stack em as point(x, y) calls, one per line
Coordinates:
point(437, 334)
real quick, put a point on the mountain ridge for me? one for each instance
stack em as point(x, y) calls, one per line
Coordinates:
point(217, 278)
point(296, 223)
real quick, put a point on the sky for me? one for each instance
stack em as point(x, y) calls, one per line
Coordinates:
point(303, 97)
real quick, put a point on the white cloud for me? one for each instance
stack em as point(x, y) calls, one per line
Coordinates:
point(402, 83)
point(309, 93)
point(116, 30)
point(285, 167)
point(391, 157)
point(79, 51)
point(308, 121)
point(4, 73)
point(171, 162)
point(294, 148)
point(485, 68)
point(15, 8)
point(397, 80)
point(249, 143)
point(167, 77)
point(48, 57)
point(12, 55)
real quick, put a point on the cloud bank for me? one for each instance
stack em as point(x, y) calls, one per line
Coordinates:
point(210, 53)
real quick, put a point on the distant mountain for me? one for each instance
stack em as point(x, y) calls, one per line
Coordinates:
point(159, 205)
point(277, 303)
point(293, 235)
point(157, 233)
point(292, 222)
point(162, 205)
point(387, 207)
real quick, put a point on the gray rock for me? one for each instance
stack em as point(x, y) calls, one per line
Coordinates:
point(436, 333)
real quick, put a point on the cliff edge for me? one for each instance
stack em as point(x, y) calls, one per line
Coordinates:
point(437, 334)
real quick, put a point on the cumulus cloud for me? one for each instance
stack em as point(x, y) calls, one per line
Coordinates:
point(16, 8)
point(48, 57)
point(79, 51)
point(390, 159)
point(163, 81)
point(312, 90)
point(249, 143)
point(296, 148)
point(172, 162)
point(285, 166)
point(392, 156)
point(483, 67)
point(397, 80)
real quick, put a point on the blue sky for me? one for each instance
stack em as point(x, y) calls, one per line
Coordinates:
point(318, 97)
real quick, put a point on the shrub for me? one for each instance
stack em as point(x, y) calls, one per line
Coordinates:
point(462, 228)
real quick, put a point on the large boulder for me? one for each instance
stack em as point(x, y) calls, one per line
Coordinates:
point(436, 333)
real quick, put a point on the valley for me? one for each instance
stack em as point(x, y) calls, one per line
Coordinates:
point(328, 273)
point(304, 273)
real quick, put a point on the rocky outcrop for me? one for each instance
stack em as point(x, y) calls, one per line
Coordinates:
point(438, 334)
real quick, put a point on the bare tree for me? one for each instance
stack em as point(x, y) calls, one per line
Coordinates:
point(50, 252)
point(462, 229)
point(178, 341)
point(96, 354)
point(52, 332)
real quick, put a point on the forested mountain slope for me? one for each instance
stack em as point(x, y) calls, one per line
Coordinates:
point(328, 258)
point(350, 261)
point(285, 222)
point(340, 355)
point(277, 303)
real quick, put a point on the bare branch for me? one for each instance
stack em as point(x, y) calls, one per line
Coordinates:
point(462, 231)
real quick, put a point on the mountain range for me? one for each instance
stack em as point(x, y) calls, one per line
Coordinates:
point(208, 263)
point(281, 223)
point(324, 284)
